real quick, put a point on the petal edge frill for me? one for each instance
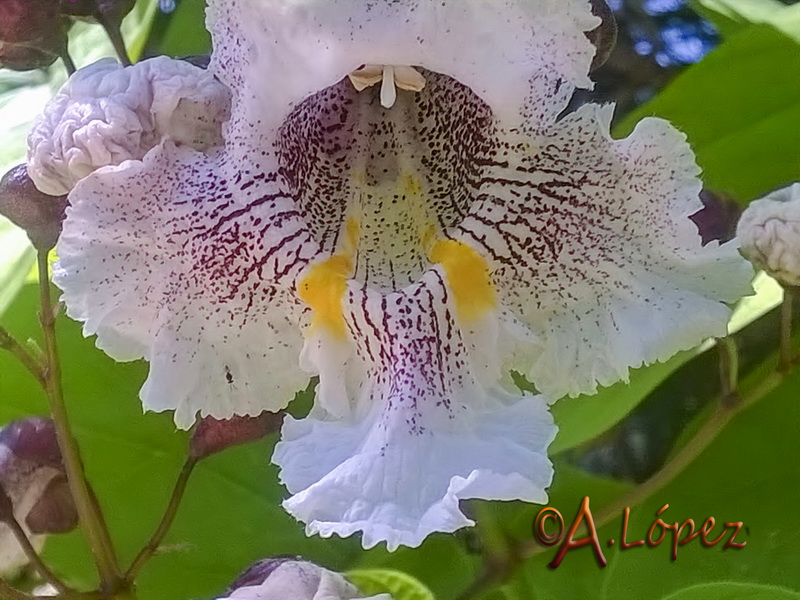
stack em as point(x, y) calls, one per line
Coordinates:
point(422, 434)
point(172, 260)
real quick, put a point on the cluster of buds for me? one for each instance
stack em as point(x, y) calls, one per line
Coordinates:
point(33, 33)
point(33, 488)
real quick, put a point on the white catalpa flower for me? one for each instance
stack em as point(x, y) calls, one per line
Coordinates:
point(293, 579)
point(397, 204)
point(769, 234)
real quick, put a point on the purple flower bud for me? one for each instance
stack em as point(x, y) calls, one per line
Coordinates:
point(37, 213)
point(604, 37)
point(32, 33)
point(33, 487)
point(113, 11)
point(215, 435)
point(285, 578)
point(716, 221)
point(55, 510)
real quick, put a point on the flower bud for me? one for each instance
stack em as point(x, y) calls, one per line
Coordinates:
point(104, 11)
point(215, 435)
point(604, 36)
point(769, 234)
point(35, 491)
point(717, 220)
point(37, 213)
point(55, 510)
point(32, 33)
point(285, 578)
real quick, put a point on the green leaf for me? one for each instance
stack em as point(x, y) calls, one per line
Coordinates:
point(746, 474)
point(768, 295)
point(399, 585)
point(583, 418)
point(740, 108)
point(731, 15)
point(231, 515)
point(728, 590)
point(18, 257)
point(186, 34)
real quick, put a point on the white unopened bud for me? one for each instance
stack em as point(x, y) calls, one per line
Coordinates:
point(769, 233)
point(295, 579)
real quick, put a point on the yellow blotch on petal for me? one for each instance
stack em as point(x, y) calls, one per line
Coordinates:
point(468, 278)
point(325, 285)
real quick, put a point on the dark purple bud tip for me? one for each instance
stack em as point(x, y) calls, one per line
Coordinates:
point(257, 573)
point(32, 33)
point(717, 220)
point(604, 37)
point(54, 511)
point(215, 435)
point(78, 8)
point(19, 57)
point(39, 214)
point(33, 440)
point(115, 10)
point(22, 21)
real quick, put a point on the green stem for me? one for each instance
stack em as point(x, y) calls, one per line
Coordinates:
point(91, 518)
point(28, 360)
point(166, 521)
point(34, 557)
point(115, 35)
point(9, 593)
point(728, 368)
point(69, 64)
point(786, 329)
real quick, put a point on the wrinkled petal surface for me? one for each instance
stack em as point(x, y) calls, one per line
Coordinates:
point(106, 114)
point(769, 232)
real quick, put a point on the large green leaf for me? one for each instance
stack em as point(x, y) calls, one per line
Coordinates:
point(186, 34)
point(726, 590)
point(732, 15)
point(17, 258)
point(231, 515)
point(399, 585)
point(747, 474)
point(740, 108)
point(585, 417)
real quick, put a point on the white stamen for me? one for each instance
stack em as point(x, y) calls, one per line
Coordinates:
point(390, 77)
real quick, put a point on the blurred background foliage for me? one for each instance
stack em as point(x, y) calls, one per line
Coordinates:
point(727, 73)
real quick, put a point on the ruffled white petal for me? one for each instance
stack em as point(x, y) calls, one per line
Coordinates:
point(189, 262)
point(769, 233)
point(592, 249)
point(518, 56)
point(422, 432)
point(106, 114)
